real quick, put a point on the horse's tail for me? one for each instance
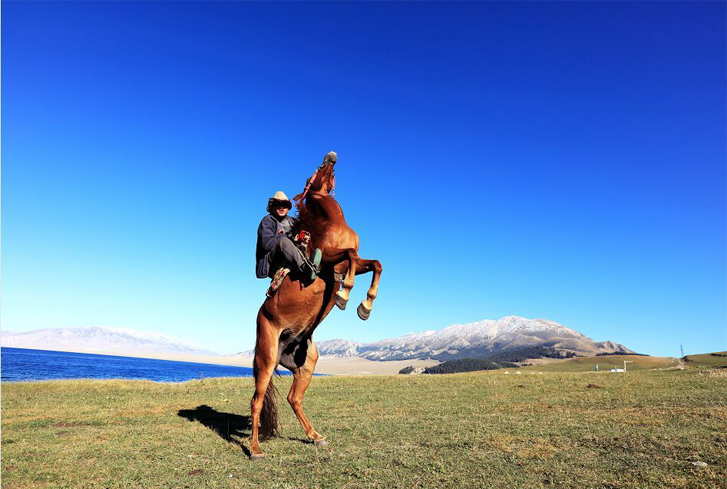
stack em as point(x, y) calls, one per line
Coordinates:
point(269, 426)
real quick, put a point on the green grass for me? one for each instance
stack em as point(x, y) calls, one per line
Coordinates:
point(605, 363)
point(709, 360)
point(640, 429)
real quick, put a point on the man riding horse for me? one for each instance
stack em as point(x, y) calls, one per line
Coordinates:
point(276, 248)
point(290, 314)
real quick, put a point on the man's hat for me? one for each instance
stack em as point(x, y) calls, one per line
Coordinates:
point(279, 198)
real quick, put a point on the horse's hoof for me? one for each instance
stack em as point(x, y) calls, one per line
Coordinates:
point(321, 443)
point(340, 302)
point(256, 457)
point(363, 313)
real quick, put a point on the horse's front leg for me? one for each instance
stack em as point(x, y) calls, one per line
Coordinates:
point(364, 266)
point(336, 256)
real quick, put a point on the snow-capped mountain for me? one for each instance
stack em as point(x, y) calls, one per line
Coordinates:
point(101, 339)
point(476, 340)
point(339, 348)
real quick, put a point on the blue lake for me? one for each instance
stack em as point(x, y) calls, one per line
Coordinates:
point(20, 364)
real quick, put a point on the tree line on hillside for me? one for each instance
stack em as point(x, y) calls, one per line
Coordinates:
point(505, 359)
point(466, 365)
point(528, 353)
point(621, 353)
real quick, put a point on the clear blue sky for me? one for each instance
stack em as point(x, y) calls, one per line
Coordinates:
point(560, 160)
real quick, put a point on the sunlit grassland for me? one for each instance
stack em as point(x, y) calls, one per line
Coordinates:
point(639, 429)
point(717, 359)
point(605, 363)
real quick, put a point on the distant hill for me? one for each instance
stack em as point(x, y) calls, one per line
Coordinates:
point(716, 359)
point(587, 364)
point(101, 339)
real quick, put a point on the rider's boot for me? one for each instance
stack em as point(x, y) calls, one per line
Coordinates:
point(313, 265)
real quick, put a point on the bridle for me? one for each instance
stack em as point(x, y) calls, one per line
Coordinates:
point(313, 177)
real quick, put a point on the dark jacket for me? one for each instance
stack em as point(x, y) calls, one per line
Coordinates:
point(268, 234)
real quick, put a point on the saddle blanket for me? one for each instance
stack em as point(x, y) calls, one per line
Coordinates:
point(277, 280)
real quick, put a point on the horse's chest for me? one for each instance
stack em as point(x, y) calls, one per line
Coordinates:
point(340, 239)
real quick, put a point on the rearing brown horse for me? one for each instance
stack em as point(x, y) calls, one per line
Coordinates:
point(286, 321)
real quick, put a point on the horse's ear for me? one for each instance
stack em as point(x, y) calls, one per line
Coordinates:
point(298, 197)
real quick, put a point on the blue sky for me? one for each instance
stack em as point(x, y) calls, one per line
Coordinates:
point(562, 160)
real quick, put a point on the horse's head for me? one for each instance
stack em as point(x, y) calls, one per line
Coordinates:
point(323, 180)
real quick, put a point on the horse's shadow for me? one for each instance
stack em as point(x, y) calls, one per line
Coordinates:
point(230, 427)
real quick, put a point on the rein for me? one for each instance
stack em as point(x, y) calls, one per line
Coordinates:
point(307, 186)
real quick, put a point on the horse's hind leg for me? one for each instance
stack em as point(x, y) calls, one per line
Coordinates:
point(263, 401)
point(301, 379)
point(337, 256)
point(363, 266)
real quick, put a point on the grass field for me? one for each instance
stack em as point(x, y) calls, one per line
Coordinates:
point(639, 429)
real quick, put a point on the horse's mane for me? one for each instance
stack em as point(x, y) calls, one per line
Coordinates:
point(305, 218)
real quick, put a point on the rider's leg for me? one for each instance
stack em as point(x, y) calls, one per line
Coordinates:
point(285, 252)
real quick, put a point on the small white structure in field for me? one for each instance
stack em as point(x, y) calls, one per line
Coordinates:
point(507, 373)
point(518, 373)
point(621, 369)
